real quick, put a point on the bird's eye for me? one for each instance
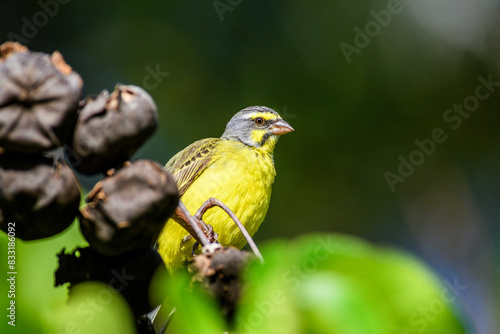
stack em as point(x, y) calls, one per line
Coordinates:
point(259, 121)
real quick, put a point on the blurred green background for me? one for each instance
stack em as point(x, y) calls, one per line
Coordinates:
point(358, 83)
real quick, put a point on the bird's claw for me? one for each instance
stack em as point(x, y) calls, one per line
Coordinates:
point(212, 236)
point(210, 233)
point(195, 247)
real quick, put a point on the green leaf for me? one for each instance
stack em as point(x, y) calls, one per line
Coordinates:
point(93, 307)
point(339, 284)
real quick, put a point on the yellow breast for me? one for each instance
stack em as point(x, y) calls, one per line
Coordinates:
point(241, 177)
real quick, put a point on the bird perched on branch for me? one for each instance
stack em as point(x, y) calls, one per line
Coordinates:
point(237, 169)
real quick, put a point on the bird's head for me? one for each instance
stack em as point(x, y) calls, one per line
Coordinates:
point(257, 126)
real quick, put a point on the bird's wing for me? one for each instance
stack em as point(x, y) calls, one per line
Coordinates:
point(189, 163)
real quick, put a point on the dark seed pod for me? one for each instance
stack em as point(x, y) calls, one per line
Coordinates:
point(40, 195)
point(39, 97)
point(110, 128)
point(129, 273)
point(127, 210)
point(220, 273)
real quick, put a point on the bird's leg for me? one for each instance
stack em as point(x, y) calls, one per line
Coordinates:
point(211, 202)
point(212, 236)
point(195, 245)
point(197, 229)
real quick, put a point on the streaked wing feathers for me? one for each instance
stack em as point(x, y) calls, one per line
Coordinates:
point(189, 163)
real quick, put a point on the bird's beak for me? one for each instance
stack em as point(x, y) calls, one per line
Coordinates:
point(280, 128)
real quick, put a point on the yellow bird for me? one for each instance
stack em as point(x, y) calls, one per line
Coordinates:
point(237, 169)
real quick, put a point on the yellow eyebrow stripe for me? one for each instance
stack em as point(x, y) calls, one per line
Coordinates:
point(266, 116)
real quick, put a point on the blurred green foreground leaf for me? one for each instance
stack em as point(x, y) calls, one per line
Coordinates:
point(328, 284)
